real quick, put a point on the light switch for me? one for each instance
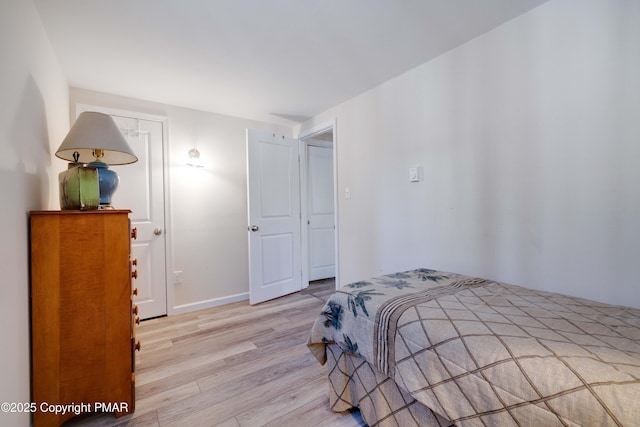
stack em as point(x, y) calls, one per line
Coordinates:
point(177, 277)
point(414, 174)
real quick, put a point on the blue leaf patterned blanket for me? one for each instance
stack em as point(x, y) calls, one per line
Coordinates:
point(479, 352)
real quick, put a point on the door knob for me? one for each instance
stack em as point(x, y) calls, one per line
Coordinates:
point(254, 228)
point(157, 231)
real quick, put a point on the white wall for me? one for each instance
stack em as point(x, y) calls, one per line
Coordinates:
point(208, 206)
point(529, 137)
point(33, 120)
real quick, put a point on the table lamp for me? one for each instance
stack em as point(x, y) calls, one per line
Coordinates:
point(95, 140)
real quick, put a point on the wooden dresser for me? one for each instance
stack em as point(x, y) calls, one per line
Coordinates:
point(82, 315)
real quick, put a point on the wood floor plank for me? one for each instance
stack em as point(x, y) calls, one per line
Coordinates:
point(205, 412)
point(317, 413)
point(149, 375)
point(152, 402)
point(231, 366)
point(289, 359)
point(282, 403)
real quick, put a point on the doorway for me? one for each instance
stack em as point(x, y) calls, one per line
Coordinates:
point(319, 208)
point(279, 218)
point(319, 203)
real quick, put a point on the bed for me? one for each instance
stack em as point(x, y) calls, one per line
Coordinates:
point(432, 348)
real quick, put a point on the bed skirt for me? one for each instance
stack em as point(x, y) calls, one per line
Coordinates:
point(353, 382)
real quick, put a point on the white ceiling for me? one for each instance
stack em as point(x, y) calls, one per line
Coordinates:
point(278, 61)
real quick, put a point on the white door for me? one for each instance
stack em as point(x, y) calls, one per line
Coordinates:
point(141, 190)
point(274, 216)
point(320, 223)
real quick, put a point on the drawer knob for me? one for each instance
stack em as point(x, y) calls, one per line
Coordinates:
point(134, 233)
point(135, 292)
point(138, 346)
point(134, 261)
point(135, 309)
point(137, 320)
point(134, 274)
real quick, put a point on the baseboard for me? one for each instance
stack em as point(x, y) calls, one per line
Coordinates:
point(201, 305)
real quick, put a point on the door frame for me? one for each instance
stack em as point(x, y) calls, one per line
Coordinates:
point(303, 136)
point(168, 254)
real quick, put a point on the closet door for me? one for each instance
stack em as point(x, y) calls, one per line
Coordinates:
point(320, 209)
point(141, 190)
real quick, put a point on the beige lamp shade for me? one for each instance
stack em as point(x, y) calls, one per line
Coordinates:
point(96, 131)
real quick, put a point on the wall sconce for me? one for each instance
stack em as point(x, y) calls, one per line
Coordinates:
point(194, 159)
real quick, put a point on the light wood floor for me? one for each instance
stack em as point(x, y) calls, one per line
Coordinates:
point(234, 365)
